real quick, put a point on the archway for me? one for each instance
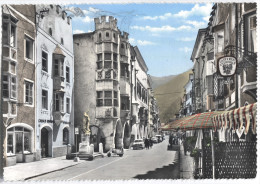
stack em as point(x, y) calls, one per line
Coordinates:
point(118, 135)
point(65, 136)
point(97, 136)
point(46, 142)
point(127, 135)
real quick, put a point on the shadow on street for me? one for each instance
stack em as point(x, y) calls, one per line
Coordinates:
point(167, 172)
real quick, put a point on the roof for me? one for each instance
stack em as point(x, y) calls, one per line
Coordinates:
point(140, 59)
point(196, 45)
point(58, 50)
point(7, 11)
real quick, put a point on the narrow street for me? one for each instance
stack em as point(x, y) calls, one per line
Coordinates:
point(155, 163)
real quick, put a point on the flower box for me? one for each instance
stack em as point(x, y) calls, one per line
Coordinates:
point(28, 157)
point(10, 160)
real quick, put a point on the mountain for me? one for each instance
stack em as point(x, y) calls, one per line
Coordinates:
point(157, 81)
point(169, 95)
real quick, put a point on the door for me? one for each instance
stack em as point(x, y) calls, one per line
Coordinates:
point(44, 142)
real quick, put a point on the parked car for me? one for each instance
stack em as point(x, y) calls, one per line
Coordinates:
point(154, 139)
point(138, 144)
point(159, 138)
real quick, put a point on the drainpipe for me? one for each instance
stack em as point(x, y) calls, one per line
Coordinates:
point(236, 75)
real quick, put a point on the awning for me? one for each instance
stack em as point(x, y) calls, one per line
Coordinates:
point(196, 121)
point(237, 118)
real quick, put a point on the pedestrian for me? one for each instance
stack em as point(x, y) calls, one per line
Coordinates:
point(184, 146)
point(146, 142)
point(151, 142)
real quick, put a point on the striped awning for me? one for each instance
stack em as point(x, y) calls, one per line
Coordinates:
point(217, 119)
point(196, 121)
point(237, 118)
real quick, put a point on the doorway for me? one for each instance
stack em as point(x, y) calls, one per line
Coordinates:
point(44, 143)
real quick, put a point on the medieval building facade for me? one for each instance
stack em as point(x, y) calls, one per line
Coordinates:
point(110, 85)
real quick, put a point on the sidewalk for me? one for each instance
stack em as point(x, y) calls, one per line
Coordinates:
point(23, 171)
point(186, 165)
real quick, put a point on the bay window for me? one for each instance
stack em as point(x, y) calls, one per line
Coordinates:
point(251, 33)
point(59, 102)
point(9, 86)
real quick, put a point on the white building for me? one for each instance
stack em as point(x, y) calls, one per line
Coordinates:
point(188, 96)
point(55, 79)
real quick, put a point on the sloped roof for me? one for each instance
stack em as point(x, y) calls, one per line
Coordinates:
point(58, 50)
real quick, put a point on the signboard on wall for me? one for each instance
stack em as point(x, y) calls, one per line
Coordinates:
point(76, 130)
point(227, 66)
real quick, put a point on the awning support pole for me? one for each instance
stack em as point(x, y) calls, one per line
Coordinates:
point(213, 154)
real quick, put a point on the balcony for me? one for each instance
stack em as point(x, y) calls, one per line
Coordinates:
point(58, 83)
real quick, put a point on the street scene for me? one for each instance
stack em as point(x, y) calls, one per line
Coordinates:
point(136, 92)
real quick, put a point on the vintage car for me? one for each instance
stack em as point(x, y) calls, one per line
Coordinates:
point(138, 144)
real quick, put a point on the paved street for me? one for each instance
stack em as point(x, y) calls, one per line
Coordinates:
point(156, 163)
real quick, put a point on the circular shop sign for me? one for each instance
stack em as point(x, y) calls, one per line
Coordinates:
point(227, 66)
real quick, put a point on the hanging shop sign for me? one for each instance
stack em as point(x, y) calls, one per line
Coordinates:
point(227, 66)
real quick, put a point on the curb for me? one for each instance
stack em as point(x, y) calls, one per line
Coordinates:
point(50, 172)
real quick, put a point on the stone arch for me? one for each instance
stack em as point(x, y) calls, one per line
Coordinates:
point(97, 136)
point(46, 140)
point(118, 132)
point(126, 136)
point(66, 135)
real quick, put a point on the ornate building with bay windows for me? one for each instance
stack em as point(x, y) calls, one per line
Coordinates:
point(55, 81)
point(18, 83)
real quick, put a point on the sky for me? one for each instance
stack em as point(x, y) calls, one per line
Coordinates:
point(164, 33)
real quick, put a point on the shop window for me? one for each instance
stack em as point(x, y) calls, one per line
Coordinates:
point(67, 74)
point(28, 92)
point(68, 105)
point(18, 140)
point(65, 136)
point(44, 99)
point(44, 61)
point(29, 48)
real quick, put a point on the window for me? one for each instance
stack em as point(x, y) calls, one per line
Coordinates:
point(124, 70)
point(122, 46)
point(115, 98)
point(65, 136)
point(68, 105)
point(114, 57)
point(99, 65)
point(99, 37)
point(13, 87)
point(220, 41)
point(99, 56)
point(13, 108)
point(62, 102)
point(107, 64)
point(63, 15)
point(108, 74)
point(44, 61)
point(5, 86)
point(99, 98)
point(44, 99)
point(18, 140)
point(57, 102)
point(28, 48)
point(28, 92)
point(50, 31)
point(252, 34)
point(61, 41)
point(125, 103)
point(13, 36)
point(107, 34)
point(115, 65)
point(108, 98)
point(107, 56)
point(114, 35)
point(56, 67)
point(67, 74)
point(61, 68)
point(13, 67)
